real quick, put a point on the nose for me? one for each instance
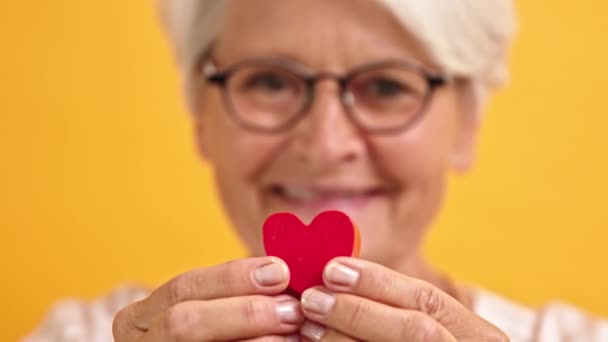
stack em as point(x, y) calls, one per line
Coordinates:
point(327, 137)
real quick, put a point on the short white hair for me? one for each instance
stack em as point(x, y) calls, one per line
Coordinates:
point(467, 39)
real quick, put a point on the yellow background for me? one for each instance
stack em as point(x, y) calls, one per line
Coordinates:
point(100, 183)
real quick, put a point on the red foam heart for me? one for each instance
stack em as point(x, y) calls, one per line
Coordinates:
point(307, 249)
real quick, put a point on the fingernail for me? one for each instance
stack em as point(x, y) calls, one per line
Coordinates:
point(289, 312)
point(317, 301)
point(271, 274)
point(341, 274)
point(313, 330)
point(293, 338)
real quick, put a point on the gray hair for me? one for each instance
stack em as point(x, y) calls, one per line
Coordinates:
point(468, 39)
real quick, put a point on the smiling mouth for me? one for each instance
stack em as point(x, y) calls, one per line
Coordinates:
point(326, 198)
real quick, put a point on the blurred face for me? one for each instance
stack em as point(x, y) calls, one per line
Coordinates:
point(390, 184)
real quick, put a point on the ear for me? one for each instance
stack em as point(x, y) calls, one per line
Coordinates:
point(471, 104)
point(200, 125)
point(201, 138)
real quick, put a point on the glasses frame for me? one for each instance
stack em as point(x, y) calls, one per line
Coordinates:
point(221, 79)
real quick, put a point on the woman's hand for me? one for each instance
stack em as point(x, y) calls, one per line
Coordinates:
point(365, 301)
point(235, 301)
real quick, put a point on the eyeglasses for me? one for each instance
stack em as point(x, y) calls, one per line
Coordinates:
point(271, 96)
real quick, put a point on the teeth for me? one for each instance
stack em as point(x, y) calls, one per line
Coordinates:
point(303, 194)
point(299, 194)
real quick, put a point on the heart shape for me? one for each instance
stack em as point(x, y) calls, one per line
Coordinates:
point(307, 249)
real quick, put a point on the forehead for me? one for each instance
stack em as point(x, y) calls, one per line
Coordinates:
point(322, 34)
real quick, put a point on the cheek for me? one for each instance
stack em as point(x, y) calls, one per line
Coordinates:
point(418, 154)
point(416, 162)
point(238, 158)
point(234, 152)
point(248, 154)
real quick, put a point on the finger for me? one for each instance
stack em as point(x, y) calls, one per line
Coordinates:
point(381, 284)
point(227, 319)
point(265, 275)
point(123, 329)
point(367, 320)
point(314, 332)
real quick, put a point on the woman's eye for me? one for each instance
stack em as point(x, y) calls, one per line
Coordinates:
point(385, 88)
point(270, 82)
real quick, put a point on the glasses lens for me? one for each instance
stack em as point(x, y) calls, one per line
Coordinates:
point(388, 97)
point(266, 96)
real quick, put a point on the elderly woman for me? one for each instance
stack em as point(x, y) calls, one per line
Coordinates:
point(304, 106)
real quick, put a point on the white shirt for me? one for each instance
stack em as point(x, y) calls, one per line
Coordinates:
point(78, 321)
